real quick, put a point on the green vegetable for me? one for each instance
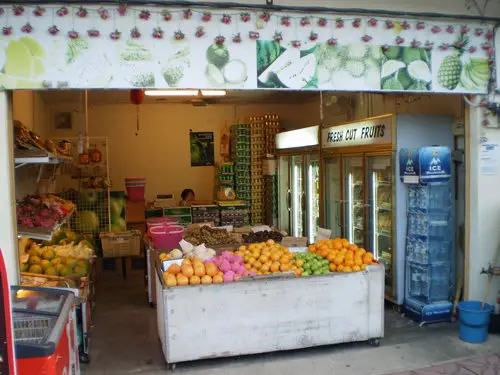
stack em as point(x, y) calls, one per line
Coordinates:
point(404, 78)
point(418, 86)
point(235, 72)
point(143, 80)
point(214, 75)
point(356, 51)
point(34, 47)
point(217, 55)
point(392, 84)
point(393, 52)
point(18, 60)
point(411, 54)
point(173, 75)
point(87, 221)
point(355, 68)
point(75, 48)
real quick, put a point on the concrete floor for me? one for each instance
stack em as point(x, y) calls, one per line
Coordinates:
point(125, 341)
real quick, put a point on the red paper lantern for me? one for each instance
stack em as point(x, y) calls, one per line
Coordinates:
point(137, 98)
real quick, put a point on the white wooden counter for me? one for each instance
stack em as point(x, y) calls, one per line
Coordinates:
point(260, 316)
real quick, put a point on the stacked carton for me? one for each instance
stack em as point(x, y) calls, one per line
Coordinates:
point(257, 139)
point(240, 154)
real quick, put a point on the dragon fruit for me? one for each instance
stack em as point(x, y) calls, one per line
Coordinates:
point(44, 212)
point(228, 277)
point(27, 221)
point(225, 266)
point(28, 208)
point(47, 223)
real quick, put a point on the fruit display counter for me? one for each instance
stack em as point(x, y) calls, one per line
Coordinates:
point(267, 313)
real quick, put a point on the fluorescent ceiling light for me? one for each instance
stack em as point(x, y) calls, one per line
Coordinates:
point(171, 92)
point(213, 92)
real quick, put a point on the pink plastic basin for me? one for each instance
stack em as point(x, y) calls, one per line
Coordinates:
point(136, 193)
point(166, 237)
point(160, 221)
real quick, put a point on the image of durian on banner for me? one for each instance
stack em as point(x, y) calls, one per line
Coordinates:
point(354, 66)
point(406, 68)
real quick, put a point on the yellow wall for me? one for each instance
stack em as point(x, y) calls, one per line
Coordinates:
point(161, 151)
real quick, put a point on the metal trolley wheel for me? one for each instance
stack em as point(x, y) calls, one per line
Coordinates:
point(171, 367)
point(375, 342)
point(84, 358)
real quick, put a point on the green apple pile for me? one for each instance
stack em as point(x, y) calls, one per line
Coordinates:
point(313, 264)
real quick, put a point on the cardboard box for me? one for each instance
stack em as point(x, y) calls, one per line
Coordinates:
point(141, 227)
point(136, 212)
point(177, 211)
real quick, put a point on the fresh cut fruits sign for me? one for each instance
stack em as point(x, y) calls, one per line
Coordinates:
point(119, 47)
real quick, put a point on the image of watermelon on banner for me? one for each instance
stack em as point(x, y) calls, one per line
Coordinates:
point(406, 68)
point(354, 66)
point(461, 66)
point(290, 65)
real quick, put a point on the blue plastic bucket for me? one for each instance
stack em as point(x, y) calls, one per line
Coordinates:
point(473, 321)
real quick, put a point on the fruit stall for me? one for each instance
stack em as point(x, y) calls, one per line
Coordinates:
point(334, 289)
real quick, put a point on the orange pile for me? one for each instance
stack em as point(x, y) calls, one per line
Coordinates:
point(192, 272)
point(268, 257)
point(342, 255)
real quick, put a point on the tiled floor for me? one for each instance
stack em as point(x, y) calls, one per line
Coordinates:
point(488, 365)
point(124, 341)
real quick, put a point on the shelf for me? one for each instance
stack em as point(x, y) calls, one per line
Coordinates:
point(384, 234)
point(384, 184)
point(42, 234)
point(25, 157)
point(384, 207)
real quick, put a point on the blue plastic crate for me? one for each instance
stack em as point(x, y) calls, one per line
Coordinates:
point(429, 283)
point(429, 197)
point(429, 224)
point(428, 249)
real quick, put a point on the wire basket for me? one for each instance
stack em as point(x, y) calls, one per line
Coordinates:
point(31, 329)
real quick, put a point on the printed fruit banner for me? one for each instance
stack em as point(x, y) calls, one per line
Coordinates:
point(116, 47)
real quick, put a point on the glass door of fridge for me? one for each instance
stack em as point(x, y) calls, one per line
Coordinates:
point(284, 199)
point(297, 196)
point(333, 207)
point(353, 198)
point(312, 196)
point(379, 181)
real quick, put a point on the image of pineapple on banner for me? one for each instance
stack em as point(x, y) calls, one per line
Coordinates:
point(356, 66)
point(406, 69)
point(460, 67)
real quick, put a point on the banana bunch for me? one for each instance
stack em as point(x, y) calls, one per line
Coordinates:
point(475, 74)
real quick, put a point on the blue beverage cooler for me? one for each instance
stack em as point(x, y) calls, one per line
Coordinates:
point(430, 232)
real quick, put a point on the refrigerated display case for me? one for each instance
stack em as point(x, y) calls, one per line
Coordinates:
point(364, 201)
point(44, 326)
point(298, 182)
point(380, 213)
point(358, 188)
point(332, 196)
point(354, 202)
point(297, 194)
point(312, 195)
